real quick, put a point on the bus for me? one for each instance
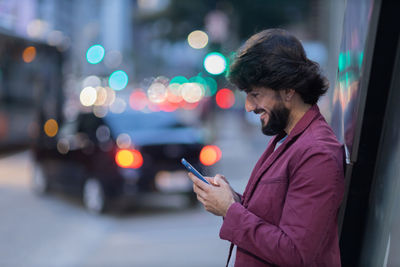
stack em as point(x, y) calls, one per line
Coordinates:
point(30, 89)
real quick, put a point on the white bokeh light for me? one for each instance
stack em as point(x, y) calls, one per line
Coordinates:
point(157, 92)
point(92, 81)
point(124, 141)
point(88, 96)
point(100, 111)
point(192, 92)
point(198, 39)
point(215, 63)
point(118, 106)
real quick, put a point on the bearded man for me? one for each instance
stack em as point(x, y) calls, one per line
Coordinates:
point(287, 215)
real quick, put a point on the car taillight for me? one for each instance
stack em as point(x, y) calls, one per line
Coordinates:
point(209, 155)
point(129, 158)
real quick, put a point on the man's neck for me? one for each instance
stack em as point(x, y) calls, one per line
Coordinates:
point(296, 113)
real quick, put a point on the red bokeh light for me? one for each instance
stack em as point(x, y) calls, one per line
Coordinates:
point(138, 100)
point(225, 98)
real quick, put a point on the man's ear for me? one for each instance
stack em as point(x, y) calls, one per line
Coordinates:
point(288, 94)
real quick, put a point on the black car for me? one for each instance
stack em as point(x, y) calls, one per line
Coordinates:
point(118, 157)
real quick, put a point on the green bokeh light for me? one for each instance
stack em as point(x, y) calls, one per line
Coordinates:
point(211, 86)
point(95, 54)
point(179, 80)
point(118, 80)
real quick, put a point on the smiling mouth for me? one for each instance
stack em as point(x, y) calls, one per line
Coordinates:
point(261, 112)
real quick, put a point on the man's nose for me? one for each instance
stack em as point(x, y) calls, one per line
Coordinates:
point(249, 105)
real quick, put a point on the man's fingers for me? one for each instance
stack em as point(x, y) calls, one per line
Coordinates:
point(220, 176)
point(199, 183)
point(220, 180)
point(201, 199)
point(211, 181)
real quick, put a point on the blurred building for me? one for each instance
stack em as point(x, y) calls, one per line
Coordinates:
point(64, 30)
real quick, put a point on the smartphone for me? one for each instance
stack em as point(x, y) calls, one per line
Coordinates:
point(190, 168)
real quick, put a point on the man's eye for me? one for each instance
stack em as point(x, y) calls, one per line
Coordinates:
point(254, 95)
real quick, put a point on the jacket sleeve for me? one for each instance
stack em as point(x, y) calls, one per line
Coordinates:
point(314, 194)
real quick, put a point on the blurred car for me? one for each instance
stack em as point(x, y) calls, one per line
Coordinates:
point(118, 157)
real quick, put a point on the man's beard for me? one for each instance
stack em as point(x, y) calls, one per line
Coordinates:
point(277, 121)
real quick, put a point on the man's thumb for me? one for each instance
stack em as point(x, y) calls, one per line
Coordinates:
point(217, 179)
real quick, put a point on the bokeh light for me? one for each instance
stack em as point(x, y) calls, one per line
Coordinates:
point(118, 106)
point(100, 111)
point(174, 94)
point(101, 96)
point(192, 92)
point(124, 140)
point(63, 146)
point(29, 54)
point(179, 80)
point(95, 54)
point(129, 158)
point(138, 100)
point(51, 127)
point(225, 98)
point(215, 63)
point(91, 80)
point(209, 155)
point(197, 39)
point(111, 96)
point(124, 158)
point(189, 106)
point(157, 92)
point(168, 107)
point(88, 96)
point(118, 80)
point(103, 133)
point(37, 28)
point(211, 86)
point(55, 38)
point(200, 81)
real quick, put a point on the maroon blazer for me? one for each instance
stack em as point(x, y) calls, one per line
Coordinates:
point(288, 214)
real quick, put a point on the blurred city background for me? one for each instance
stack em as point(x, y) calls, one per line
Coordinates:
point(80, 82)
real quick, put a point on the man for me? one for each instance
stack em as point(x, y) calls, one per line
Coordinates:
point(287, 215)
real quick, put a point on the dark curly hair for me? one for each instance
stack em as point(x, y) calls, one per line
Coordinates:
point(276, 59)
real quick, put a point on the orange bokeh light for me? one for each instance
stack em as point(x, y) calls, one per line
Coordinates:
point(129, 158)
point(29, 54)
point(51, 127)
point(225, 98)
point(209, 155)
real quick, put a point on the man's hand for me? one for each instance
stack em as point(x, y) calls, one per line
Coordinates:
point(216, 197)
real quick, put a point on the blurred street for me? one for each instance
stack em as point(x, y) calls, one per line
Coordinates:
point(57, 231)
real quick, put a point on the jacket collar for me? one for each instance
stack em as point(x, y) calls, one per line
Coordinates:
point(305, 121)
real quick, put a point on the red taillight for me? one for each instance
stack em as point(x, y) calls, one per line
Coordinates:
point(209, 155)
point(129, 158)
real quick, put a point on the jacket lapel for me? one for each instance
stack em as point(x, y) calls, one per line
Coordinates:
point(263, 158)
point(270, 156)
